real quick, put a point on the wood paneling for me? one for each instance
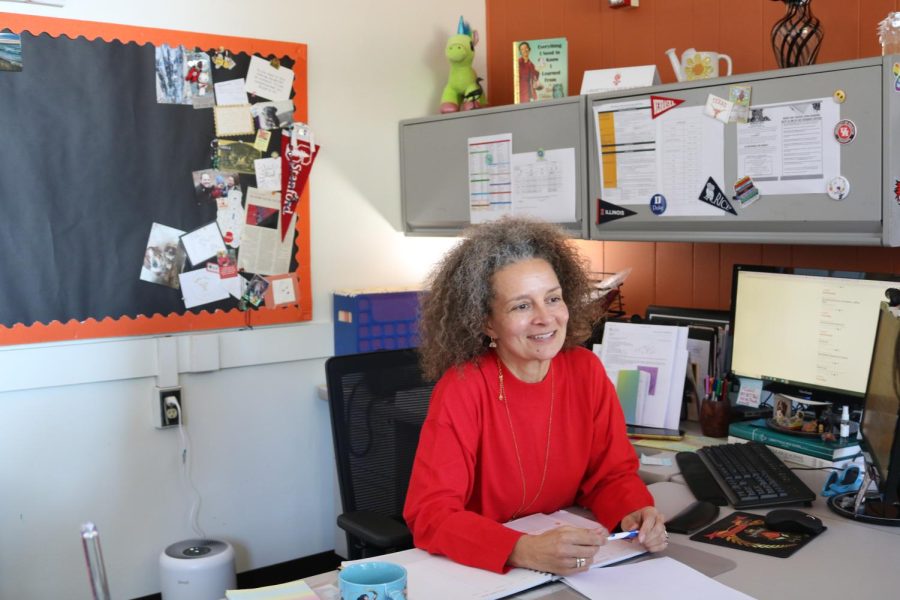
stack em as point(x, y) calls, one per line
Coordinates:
point(600, 37)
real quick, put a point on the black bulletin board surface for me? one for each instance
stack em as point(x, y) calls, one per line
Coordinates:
point(90, 161)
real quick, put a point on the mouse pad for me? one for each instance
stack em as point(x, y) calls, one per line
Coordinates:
point(746, 531)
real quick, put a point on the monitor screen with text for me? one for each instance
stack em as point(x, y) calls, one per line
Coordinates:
point(806, 330)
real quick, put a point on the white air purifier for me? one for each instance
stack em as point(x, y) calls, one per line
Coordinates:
point(197, 569)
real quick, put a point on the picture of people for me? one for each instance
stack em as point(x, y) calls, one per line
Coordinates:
point(529, 78)
point(262, 217)
point(256, 290)
point(273, 115)
point(237, 156)
point(164, 256)
point(10, 52)
point(211, 184)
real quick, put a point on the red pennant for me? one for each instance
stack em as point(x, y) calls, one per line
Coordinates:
point(661, 104)
point(296, 163)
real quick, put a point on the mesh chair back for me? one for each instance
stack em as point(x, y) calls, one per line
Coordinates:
point(378, 402)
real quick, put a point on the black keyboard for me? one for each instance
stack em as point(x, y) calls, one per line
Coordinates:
point(751, 475)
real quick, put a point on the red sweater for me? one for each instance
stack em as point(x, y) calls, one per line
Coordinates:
point(466, 480)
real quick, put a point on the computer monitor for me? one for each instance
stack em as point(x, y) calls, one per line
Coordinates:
point(880, 432)
point(806, 333)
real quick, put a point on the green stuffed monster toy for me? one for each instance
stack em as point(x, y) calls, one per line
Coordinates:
point(463, 90)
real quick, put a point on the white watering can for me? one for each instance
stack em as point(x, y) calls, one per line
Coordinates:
point(697, 65)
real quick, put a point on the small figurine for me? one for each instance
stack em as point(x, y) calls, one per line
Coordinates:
point(193, 73)
point(202, 81)
point(463, 90)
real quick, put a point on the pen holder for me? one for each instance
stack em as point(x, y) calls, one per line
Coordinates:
point(714, 417)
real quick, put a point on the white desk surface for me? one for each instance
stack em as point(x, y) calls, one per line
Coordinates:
point(848, 560)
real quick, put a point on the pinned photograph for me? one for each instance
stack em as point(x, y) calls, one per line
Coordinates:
point(227, 263)
point(10, 52)
point(237, 156)
point(273, 115)
point(212, 184)
point(171, 86)
point(256, 290)
point(164, 256)
point(261, 216)
point(198, 75)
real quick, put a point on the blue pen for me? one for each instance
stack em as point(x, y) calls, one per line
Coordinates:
point(623, 535)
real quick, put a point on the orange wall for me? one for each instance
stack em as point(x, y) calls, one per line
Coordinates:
point(684, 274)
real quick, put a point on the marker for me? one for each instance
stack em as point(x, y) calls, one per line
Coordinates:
point(623, 535)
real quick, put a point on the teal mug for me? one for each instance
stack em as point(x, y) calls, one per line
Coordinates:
point(372, 581)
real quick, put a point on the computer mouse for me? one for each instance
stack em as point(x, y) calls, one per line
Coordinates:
point(788, 520)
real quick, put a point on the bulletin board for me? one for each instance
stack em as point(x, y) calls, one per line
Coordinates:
point(91, 161)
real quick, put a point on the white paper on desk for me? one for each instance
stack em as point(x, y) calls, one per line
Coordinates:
point(544, 186)
point(788, 148)
point(201, 287)
point(268, 82)
point(661, 578)
point(437, 578)
point(203, 243)
point(660, 350)
point(230, 92)
point(262, 249)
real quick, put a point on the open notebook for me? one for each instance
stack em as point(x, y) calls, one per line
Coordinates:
point(610, 553)
point(439, 578)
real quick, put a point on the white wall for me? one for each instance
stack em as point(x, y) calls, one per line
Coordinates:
point(76, 442)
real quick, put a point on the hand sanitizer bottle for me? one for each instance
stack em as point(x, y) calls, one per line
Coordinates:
point(845, 422)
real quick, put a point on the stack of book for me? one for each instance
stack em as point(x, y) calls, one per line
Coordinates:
point(806, 451)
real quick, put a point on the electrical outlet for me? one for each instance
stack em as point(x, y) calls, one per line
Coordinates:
point(165, 414)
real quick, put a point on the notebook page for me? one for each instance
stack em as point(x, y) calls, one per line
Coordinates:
point(439, 578)
point(611, 552)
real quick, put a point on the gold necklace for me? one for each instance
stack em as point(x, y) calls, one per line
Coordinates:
point(502, 398)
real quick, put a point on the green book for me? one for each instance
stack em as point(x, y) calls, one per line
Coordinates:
point(757, 431)
point(627, 386)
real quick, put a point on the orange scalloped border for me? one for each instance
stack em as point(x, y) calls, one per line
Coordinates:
point(143, 325)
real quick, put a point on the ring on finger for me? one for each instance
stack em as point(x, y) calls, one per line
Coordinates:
point(579, 563)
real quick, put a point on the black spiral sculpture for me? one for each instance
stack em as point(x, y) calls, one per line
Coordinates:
point(797, 36)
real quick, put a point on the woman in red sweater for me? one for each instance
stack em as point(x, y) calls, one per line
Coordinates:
point(523, 420)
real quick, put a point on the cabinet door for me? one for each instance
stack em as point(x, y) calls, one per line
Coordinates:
point(434, 168)
point(775, 217)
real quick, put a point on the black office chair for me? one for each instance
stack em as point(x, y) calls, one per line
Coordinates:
point(378, 402)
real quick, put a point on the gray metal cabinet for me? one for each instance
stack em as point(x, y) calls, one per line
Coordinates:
point(862, 218)
point(434, 167)
point(434, 180)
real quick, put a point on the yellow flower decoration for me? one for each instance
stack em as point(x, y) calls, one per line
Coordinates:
point(698, 66)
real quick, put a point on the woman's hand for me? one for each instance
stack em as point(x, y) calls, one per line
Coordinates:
point(651, 525)
point(561, 551)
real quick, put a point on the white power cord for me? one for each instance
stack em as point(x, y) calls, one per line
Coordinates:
point(185, 446)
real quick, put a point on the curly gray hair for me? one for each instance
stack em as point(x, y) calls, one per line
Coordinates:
point(454, 311)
